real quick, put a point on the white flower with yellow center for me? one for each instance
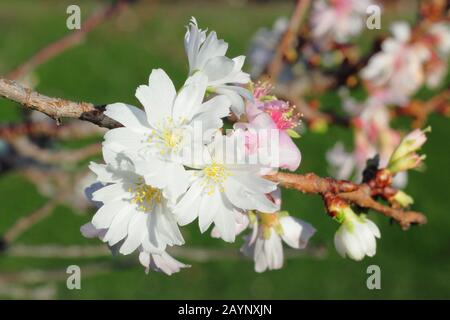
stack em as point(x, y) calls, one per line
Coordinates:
point(222, 185)
point(225, 75)
point(264, 245)
point(167, 132)
point(134, 214)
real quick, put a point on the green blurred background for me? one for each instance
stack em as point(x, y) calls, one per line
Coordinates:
point(108, 66)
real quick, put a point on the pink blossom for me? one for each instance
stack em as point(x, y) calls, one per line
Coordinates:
point(268, 113)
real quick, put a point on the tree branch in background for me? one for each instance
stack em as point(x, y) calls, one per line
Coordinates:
point(68, 41)
point(420, 110)
point(73, 130)
point(289, 36)
point(28, 149)
point(26, 222)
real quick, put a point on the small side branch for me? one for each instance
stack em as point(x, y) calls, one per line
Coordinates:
point(357, 194)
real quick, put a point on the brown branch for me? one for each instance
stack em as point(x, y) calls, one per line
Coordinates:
point(68, 41)
point(420, 110)
point(296, 21)
point(362, 198)
point(55, 108)
point(358, 194)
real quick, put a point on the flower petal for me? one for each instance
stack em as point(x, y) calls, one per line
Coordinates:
point(158, 97)
point(128, 115)
point(296, 233)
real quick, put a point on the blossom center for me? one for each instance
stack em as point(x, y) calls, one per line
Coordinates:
point(169, 136)
point(284, 115)
point(215, 174)
point(172, 138)
point(145, 197)
point(268, 219)
point(270, 223)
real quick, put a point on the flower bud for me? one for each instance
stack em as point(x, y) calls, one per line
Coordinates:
point(408, 162)
point(356, 237)
point(404, 156)
point(402, 199)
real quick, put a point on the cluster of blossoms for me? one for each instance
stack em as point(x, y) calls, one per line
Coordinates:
point(393, 76)
point(171, 163)
point(405, 63)
point(373, 136)
point(402, 64)
point(357, 235)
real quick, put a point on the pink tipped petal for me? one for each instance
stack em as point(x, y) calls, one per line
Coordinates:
point(290, 156)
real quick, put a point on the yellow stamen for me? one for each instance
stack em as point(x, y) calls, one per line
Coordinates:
point(145, 196)
point(169, 135)
point(215, 174)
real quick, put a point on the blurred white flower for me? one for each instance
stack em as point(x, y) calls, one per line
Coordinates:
point(165, 133)
point(398, 67)
point(372, 136)
point(338, 19)
point(441, 36)
point(225, 75)
point(438, 42)
point(342, 163)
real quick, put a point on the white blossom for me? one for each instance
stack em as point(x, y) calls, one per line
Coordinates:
point(133, 213)
point(221, 185)
point(155, 260)
point(241, 223)
point(398, 67)
point(225, 75)
point(339, 19)
point(356, 237)
point(164, 135)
